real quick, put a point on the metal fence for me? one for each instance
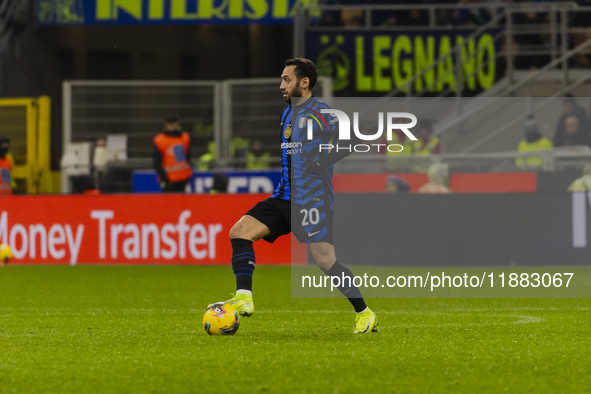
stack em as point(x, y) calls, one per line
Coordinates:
point(95, 109)
point(554, 160)
point(222, 112)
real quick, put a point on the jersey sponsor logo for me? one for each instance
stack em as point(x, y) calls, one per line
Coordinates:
point(291, 145)
point(313, 234)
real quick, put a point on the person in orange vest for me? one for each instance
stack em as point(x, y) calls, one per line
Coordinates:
point(5, 167)
point(172, 156)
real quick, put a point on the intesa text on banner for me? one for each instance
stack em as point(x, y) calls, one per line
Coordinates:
point(182, 229)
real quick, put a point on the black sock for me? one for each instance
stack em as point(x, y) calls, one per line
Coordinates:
point(243, 263)
point(347, 287)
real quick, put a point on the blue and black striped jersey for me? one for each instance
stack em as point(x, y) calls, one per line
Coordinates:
point(298, 153)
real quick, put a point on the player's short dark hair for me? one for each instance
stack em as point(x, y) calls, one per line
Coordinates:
point(171, 119)
point(304, 68)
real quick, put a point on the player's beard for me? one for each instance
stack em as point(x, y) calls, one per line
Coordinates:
point(295, 93)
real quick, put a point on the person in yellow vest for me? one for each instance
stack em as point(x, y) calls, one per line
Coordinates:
point(533, 142)
point(256, 157)
point(582, 184)
point(427, 144)
point(438, 180)
point(172, 156)
point(207, 160)
point(5, 167)
point(398, 138)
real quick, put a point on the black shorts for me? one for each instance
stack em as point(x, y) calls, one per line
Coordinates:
point(311, 223)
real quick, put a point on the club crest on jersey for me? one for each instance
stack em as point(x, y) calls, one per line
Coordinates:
point(302, 122)
point(287, 132)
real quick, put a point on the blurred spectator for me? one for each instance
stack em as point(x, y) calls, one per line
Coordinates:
point(257, 158)
point(239, 147)
point(206, 161)
point(399, 138)
point(574, 134)
point(533, 142)
point(443, 17)
point(470, 17)
point(201, 137)
point(352, 18)
point(438, 180)
point(172, 156)
point(100, 156)
point(531, 22)
point(413, 17)
point(6, 165)
point(583, 184)
point(417, 18)
point(220, 183)
point(100, 159)
point(580, 21)
point(569, 107)
point(427, 143)
point(396, 185)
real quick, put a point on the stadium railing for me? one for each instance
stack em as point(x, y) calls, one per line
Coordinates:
point(209, 110)
point(555, 160)
point(95, 109)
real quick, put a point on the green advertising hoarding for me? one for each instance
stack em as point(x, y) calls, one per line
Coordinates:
point(378, 62)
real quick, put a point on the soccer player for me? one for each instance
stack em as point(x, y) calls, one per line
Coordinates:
point(304, 193)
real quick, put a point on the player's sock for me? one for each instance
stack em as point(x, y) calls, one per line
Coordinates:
point(243, 263)
point(347, 287)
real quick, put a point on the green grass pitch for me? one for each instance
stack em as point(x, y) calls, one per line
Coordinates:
point(125, 329)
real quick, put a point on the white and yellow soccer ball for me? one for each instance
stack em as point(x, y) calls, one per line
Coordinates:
point(5, 253)
point(221, 318)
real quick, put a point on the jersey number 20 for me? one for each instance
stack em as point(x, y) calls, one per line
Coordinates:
point(312, 215)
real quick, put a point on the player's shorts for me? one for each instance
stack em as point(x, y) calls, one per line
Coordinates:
point(310, 224)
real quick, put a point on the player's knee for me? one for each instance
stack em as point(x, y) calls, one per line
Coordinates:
point(323, 259)
point(237, 231)
point(324, 264)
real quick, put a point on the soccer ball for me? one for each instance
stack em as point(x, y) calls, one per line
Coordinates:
point(5, 253)
point(221, 318)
